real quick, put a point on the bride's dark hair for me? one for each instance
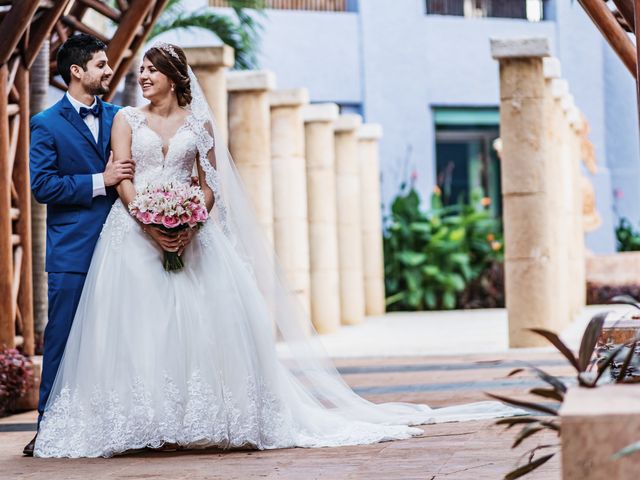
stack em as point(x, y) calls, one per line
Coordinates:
point(177, 69)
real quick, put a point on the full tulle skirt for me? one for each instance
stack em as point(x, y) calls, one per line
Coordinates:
point(189, 358)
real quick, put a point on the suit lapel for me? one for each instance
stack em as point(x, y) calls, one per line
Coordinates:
point(105, 128)
point(70, 114)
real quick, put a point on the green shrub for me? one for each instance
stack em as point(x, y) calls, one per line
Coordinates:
point(431, 256)
point(628, 238)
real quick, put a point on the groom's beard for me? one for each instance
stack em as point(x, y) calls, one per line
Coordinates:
point(97, 88)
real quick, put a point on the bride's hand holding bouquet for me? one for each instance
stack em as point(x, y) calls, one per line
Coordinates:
point(176, 210)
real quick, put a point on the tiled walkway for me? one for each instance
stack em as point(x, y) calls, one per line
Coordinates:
point(455, 451)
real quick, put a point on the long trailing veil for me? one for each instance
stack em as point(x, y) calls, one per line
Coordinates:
point(302, 353)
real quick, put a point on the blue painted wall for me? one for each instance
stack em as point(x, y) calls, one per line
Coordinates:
point(398, 63)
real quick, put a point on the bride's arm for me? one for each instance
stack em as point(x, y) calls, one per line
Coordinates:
point(121, 146)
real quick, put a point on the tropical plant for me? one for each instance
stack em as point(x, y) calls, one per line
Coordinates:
point(241, 31)
point(628, 238)
point(590, 365)
point(431, 256)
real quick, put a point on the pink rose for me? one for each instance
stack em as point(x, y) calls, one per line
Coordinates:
point(170, 222)
point(200, 214)
point(145, 217)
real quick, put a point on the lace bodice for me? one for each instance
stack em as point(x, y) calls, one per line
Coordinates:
point(152, 164)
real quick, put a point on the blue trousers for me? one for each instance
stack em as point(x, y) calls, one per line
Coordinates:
point(64, 294)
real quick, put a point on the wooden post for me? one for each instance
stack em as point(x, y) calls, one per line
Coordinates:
point(23, 224)
point(7, 315)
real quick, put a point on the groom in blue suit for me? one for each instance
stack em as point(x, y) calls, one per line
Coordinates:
point(74, 175)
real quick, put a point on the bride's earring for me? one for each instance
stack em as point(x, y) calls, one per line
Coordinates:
point(173, 87)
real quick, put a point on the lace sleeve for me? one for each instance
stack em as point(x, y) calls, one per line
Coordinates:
point(206, 153)
point(134, 118)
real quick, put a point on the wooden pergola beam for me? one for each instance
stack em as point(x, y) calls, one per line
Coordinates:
point(41, 30)
point(13, 26)
point(137, 43)
point(132, 19)
point(612, 32)
point(625, 7)
point(103, 9)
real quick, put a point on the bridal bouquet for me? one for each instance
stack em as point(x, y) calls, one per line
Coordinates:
point(171, 207)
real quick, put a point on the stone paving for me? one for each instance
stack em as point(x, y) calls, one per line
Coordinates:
point(456, 451)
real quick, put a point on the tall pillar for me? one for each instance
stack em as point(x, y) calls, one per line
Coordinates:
point(249, 138)
point(323, 227)
point(558, 175)
point(531, 251)
point(289, 174)
point(209, 65)
point(349, 219)
point(370, 209)
point(577, 260)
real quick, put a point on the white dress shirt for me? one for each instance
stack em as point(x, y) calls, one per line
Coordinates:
point(93, 124)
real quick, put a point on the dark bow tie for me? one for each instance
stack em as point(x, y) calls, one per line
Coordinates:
point(95, 111)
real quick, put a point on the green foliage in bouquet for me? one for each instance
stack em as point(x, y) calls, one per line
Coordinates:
point(431, 256)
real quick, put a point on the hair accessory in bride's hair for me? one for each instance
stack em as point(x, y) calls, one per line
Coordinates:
point(167, 48)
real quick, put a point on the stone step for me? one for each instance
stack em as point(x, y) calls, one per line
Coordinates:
point(596, 424)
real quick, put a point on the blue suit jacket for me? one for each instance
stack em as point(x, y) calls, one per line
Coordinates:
point(63, 157)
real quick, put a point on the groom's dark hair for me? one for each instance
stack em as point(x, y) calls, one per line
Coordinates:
point(77, 50)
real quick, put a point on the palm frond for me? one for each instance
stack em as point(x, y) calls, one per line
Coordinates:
point(242, 34)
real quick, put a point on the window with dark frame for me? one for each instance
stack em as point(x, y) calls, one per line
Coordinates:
point(532, 10)
point(466, 159)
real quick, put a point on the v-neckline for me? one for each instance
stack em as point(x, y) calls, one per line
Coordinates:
point(159, 137)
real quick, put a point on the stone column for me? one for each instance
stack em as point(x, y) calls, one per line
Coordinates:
point(371, 214)
point(323, 227)
point(289, 174)
point(557, 176)
point(577, 258)
point(349, 219)
point(530, 246)
point(250, 138)
point(209, 65)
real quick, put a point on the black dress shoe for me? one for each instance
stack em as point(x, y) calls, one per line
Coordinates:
point(28, 450)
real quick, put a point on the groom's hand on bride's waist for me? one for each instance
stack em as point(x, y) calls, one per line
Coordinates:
point(118, 170)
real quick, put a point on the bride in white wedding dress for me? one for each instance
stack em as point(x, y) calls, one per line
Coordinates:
point(189, 357)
